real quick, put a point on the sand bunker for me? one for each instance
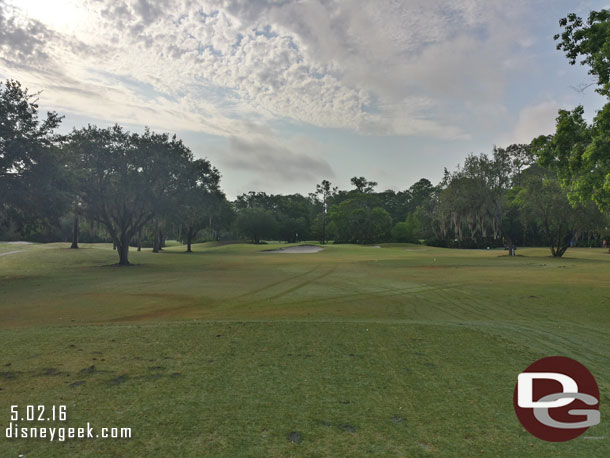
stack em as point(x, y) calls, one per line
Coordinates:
point(296, 249)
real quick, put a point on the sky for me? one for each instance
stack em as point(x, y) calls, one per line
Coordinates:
point(280, 94)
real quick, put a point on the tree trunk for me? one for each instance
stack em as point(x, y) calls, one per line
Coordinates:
point(324, 224)
point(140, 240)
point(75, 231)
point(156, 238)
point(511, 247)
point(123, 247)
point(189, 239)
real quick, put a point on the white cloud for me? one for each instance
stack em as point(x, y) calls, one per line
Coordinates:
point(384, 67)
point(533, 121)
point(276, 162)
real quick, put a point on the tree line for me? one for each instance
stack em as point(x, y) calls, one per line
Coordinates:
point(107, 184)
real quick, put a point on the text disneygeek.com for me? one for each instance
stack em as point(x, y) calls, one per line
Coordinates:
point(36, 415)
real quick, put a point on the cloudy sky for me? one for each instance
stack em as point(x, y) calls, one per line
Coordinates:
point(280, 94)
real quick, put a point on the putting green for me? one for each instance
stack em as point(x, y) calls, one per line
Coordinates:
point(352, 351)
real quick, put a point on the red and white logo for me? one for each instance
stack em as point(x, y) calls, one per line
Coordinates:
point(556, 399)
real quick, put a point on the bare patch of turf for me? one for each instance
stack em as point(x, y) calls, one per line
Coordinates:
point(347, 428)
point(118, 380)
point(295, 437)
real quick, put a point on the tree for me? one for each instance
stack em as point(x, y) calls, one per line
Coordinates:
point(589, 42)
point(34, 184)
point(517, 157)
point(397, 204)
point(198, 198)
point(579, 153)
point(324, 192)
point(254, 199)
point(471, 205)
point(543, 198)
point(256, 223)
point(511, 223)
point(127, 178)
point(360, 220)
point(221, 218)
point(408, 231)
point(363, 185)
point(420, 192)
point(293, 213)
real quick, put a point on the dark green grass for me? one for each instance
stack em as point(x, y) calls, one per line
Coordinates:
point(353, 351)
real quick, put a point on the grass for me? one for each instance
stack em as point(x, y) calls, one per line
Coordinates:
point(397, 351)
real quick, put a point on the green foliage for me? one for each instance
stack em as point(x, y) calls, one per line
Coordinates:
point(472, 203)
point(357, 220)
point(291, 213)
point(544, 200)
point(589, 42)
point(325, 192)
point(256, 223)
point(34, 187)
point(128, 178)
point(408, 231)
point(363, 185)
point(199, 198)
point(580, 153)
point(513, 217)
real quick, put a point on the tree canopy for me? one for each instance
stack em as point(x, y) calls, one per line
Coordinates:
point(33, 184)
point(579, 152)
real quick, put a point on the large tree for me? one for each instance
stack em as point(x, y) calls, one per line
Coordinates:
point(360, 219)
point(198, 198)
point(363, 185)
point(127, 178)
point(472, 203)
point(580, 153)
point(256, 223)
point(324, 193)
point(588, 43)
point(34, 184)
point(546, 202)
point(475, 204)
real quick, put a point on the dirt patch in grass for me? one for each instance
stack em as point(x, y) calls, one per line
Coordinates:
point(88, 370)
point(295, 437)
point(9, 375)
point(118, 380)
point(52, 372)
point(347, 428)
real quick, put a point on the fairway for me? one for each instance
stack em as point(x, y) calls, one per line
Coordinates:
point(397, 351)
